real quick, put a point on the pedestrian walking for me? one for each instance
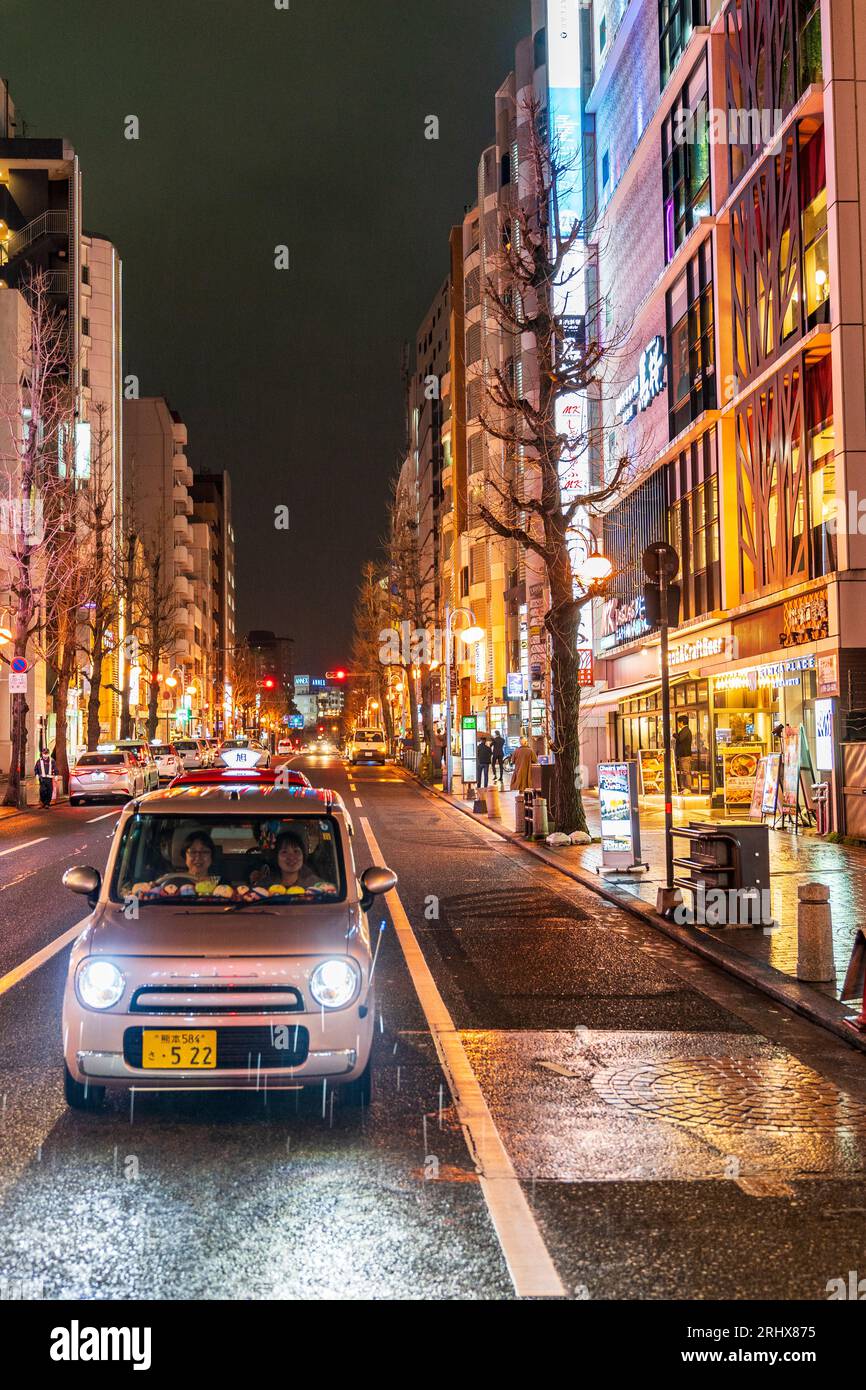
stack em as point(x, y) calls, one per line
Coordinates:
point(46, 771)
point(521, 760)
point(484, 756)
point(498, 760)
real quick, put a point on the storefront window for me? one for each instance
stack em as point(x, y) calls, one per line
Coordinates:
point(691, 342)
point(747, 706)
point(640, 735)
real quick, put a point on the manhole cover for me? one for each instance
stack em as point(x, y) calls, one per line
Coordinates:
point(775, 1094)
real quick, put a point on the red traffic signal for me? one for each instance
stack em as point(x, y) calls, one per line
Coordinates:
point(268, 683)
point(335, 675)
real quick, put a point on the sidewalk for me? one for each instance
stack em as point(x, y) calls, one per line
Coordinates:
point(766, 958)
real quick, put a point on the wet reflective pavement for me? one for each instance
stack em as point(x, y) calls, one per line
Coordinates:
point(674, 1133)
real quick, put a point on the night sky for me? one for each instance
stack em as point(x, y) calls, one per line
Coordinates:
point(262, 127)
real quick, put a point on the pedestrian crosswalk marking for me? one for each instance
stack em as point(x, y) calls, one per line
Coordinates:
point(532, 1270)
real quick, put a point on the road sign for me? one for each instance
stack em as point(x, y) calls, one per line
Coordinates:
point(20, 663)
point(660, 558)
point(17, 682)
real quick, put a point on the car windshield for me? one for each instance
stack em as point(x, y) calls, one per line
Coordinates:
point(225, 859)
point(101, 760)
point(187, 746)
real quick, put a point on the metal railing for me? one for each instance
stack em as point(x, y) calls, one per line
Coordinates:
point(46, 224)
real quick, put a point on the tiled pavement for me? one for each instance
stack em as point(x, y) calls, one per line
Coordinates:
point(794, 859)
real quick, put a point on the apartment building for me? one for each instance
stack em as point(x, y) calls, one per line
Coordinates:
point(42, 232)
point(727, 136)
point(212, 508)
point(162, 510)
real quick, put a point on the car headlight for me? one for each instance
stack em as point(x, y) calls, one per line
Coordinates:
point(99, 983)
point(334, 982)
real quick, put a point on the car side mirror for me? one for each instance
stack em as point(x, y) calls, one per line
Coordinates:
point(374, 882)
point(84, 880)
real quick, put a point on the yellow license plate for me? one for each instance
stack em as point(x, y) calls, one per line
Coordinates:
point(186, 1051)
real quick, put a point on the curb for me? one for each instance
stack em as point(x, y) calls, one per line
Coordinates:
point(799, 998)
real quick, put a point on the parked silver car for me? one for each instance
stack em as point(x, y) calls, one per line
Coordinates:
point(106, 776)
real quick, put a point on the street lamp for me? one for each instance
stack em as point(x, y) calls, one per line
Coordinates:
point(469, 635)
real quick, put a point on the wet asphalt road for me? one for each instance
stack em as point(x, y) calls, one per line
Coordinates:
point(674, 1133)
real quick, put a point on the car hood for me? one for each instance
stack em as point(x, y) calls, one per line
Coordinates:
point(174, 931)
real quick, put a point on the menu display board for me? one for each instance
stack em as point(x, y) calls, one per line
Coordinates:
point(620, 818)
point(790, 788)
point(764, 791)
point(652, 772)
point(739, 770)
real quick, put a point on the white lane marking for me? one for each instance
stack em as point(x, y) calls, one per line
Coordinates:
point(532, 1270)
point(33, 962)
point(20, 879)
point(357, 802)
point(115, 812)
point(26, 845)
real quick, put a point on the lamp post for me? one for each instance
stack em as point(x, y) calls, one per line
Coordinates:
point(471, 634)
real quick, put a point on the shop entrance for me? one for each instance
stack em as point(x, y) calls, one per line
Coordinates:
point(639, 735)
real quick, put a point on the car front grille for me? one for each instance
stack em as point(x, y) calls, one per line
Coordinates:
point(241, 1049)
point(216, 999)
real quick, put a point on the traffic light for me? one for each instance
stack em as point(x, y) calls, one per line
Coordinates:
point(267, 684)
point(336, 675)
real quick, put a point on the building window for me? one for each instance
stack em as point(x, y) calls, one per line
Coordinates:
point(677, 20)
point(85, 327)
point(85, 376)
point(602, 34)
point(85, 275)
point(693, 524)
point(464, 582)
point(605, 169)
point(816, 261)
point(686, 161)
point(691, 342)
point(540, 48)
point(822, 467)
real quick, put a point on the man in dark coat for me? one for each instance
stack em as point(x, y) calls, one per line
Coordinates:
point(484, 755)
point(46, 771)
point(498, 761)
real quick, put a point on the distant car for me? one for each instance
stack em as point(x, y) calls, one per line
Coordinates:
point(285, 745)
point(248, 961)
point(244, 753)
point(142, 750)
point(168, 760)
point(367, 746)
point(193, 752)
point(237, 776)
point(106, 776)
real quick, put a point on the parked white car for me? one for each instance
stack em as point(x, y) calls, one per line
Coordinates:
point(106, 776)
point(169, 763)
point(227, 947)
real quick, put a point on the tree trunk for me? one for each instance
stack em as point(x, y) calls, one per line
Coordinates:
point(152, 710)
point(567, 810)
point(93, 699)
point(61, 699)
point(20, 710)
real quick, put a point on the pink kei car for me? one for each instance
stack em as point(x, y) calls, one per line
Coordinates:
point(227, 948)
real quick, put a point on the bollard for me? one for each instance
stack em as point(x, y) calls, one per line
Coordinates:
point(539, 818)
point(517, 803)
point(528, 815)
point(814, 934)
point(494, 806)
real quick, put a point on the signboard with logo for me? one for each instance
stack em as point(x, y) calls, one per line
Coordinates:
point(790, 786)
point(828, 675)
point(585, 671)
point(514, 685)
point(622, 621)
point(649, 383)
point(468, 748)
point(824, 751)
point(620, 817)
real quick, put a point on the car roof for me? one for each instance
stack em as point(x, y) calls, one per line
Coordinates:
point(228, 776)
point(217, 798)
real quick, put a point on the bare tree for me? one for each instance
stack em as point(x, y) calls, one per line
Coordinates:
point(414, 611)
point(544, 487)
point(158, 625)
point(67, 589)
point(99, 539)
point(371, 617)
point(36, 423)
